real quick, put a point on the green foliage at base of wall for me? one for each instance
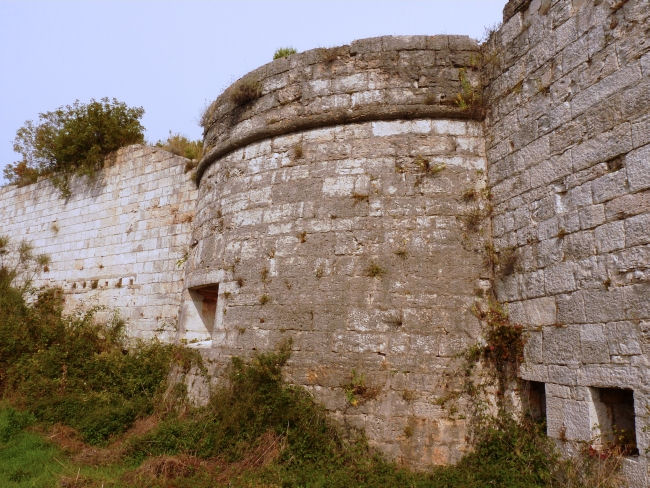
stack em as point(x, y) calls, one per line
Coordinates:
point(72, 368)
point(256, 430)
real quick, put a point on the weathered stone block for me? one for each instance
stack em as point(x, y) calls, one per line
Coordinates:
point(561, 344)
point(559, 278)
point(593, 342)
point(637, 230)
point(610, 237)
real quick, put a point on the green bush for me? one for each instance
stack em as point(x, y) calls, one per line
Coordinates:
point(255, 402)
point(73, 369)
point(73, 140)
point(12, 422)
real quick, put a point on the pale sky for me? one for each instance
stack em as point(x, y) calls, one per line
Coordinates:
point(174, 57)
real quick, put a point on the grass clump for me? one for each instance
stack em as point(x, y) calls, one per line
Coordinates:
point(470, 195)
point(374, 270)
point(470, 98)
point(182, 146)
point(298, 152)
point(473, 219)
point(357, 391)
point(284, 52)
point(245, 91)
point(360, 197)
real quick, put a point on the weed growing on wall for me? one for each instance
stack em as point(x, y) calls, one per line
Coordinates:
point(504, 348)
point(182, 146)
point(284, 52)
point(469, 98)
point(374, 270)
point(357, 390)
point(245, 91)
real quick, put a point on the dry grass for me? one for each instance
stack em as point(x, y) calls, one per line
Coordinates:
point(245, 92)
point(266, 450)
point(470, 195)
point(374, 270)
point(297, 152)
point(473, 219)
point(70, 442)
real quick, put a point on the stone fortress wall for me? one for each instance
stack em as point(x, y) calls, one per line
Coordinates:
point(332, 209)
point(116, 243)
point(567, 138)
point(342, 226)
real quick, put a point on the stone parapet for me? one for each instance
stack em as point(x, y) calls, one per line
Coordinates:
point(383, 78)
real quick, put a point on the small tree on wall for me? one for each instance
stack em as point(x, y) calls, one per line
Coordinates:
point(73, 140)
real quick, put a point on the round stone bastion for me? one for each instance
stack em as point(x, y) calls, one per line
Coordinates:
point(342, 208)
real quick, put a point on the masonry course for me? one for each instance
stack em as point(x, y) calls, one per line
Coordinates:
point(332, 208)
point(114, 243)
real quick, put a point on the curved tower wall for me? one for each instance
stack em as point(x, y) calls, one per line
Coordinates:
point(342, 226)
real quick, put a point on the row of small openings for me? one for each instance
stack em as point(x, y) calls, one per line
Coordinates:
point(614, 410)
point(94, 284)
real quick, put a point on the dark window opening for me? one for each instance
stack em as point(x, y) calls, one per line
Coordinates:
point(205, 299)
point(534, 400)
point(615, 413)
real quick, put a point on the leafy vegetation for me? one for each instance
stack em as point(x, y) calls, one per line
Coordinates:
point(470, 98)
point(73, 140)
point(75, 382)
point(70, 368)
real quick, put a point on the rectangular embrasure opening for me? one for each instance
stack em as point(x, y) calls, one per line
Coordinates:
point(534, 400)
point(205, 299)
point(616, 422)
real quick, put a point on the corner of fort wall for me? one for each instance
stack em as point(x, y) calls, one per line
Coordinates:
point(567, 139)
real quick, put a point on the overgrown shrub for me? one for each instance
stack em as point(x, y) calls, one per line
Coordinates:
point(71, 368)
point(73, 140)
point(255, 402)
